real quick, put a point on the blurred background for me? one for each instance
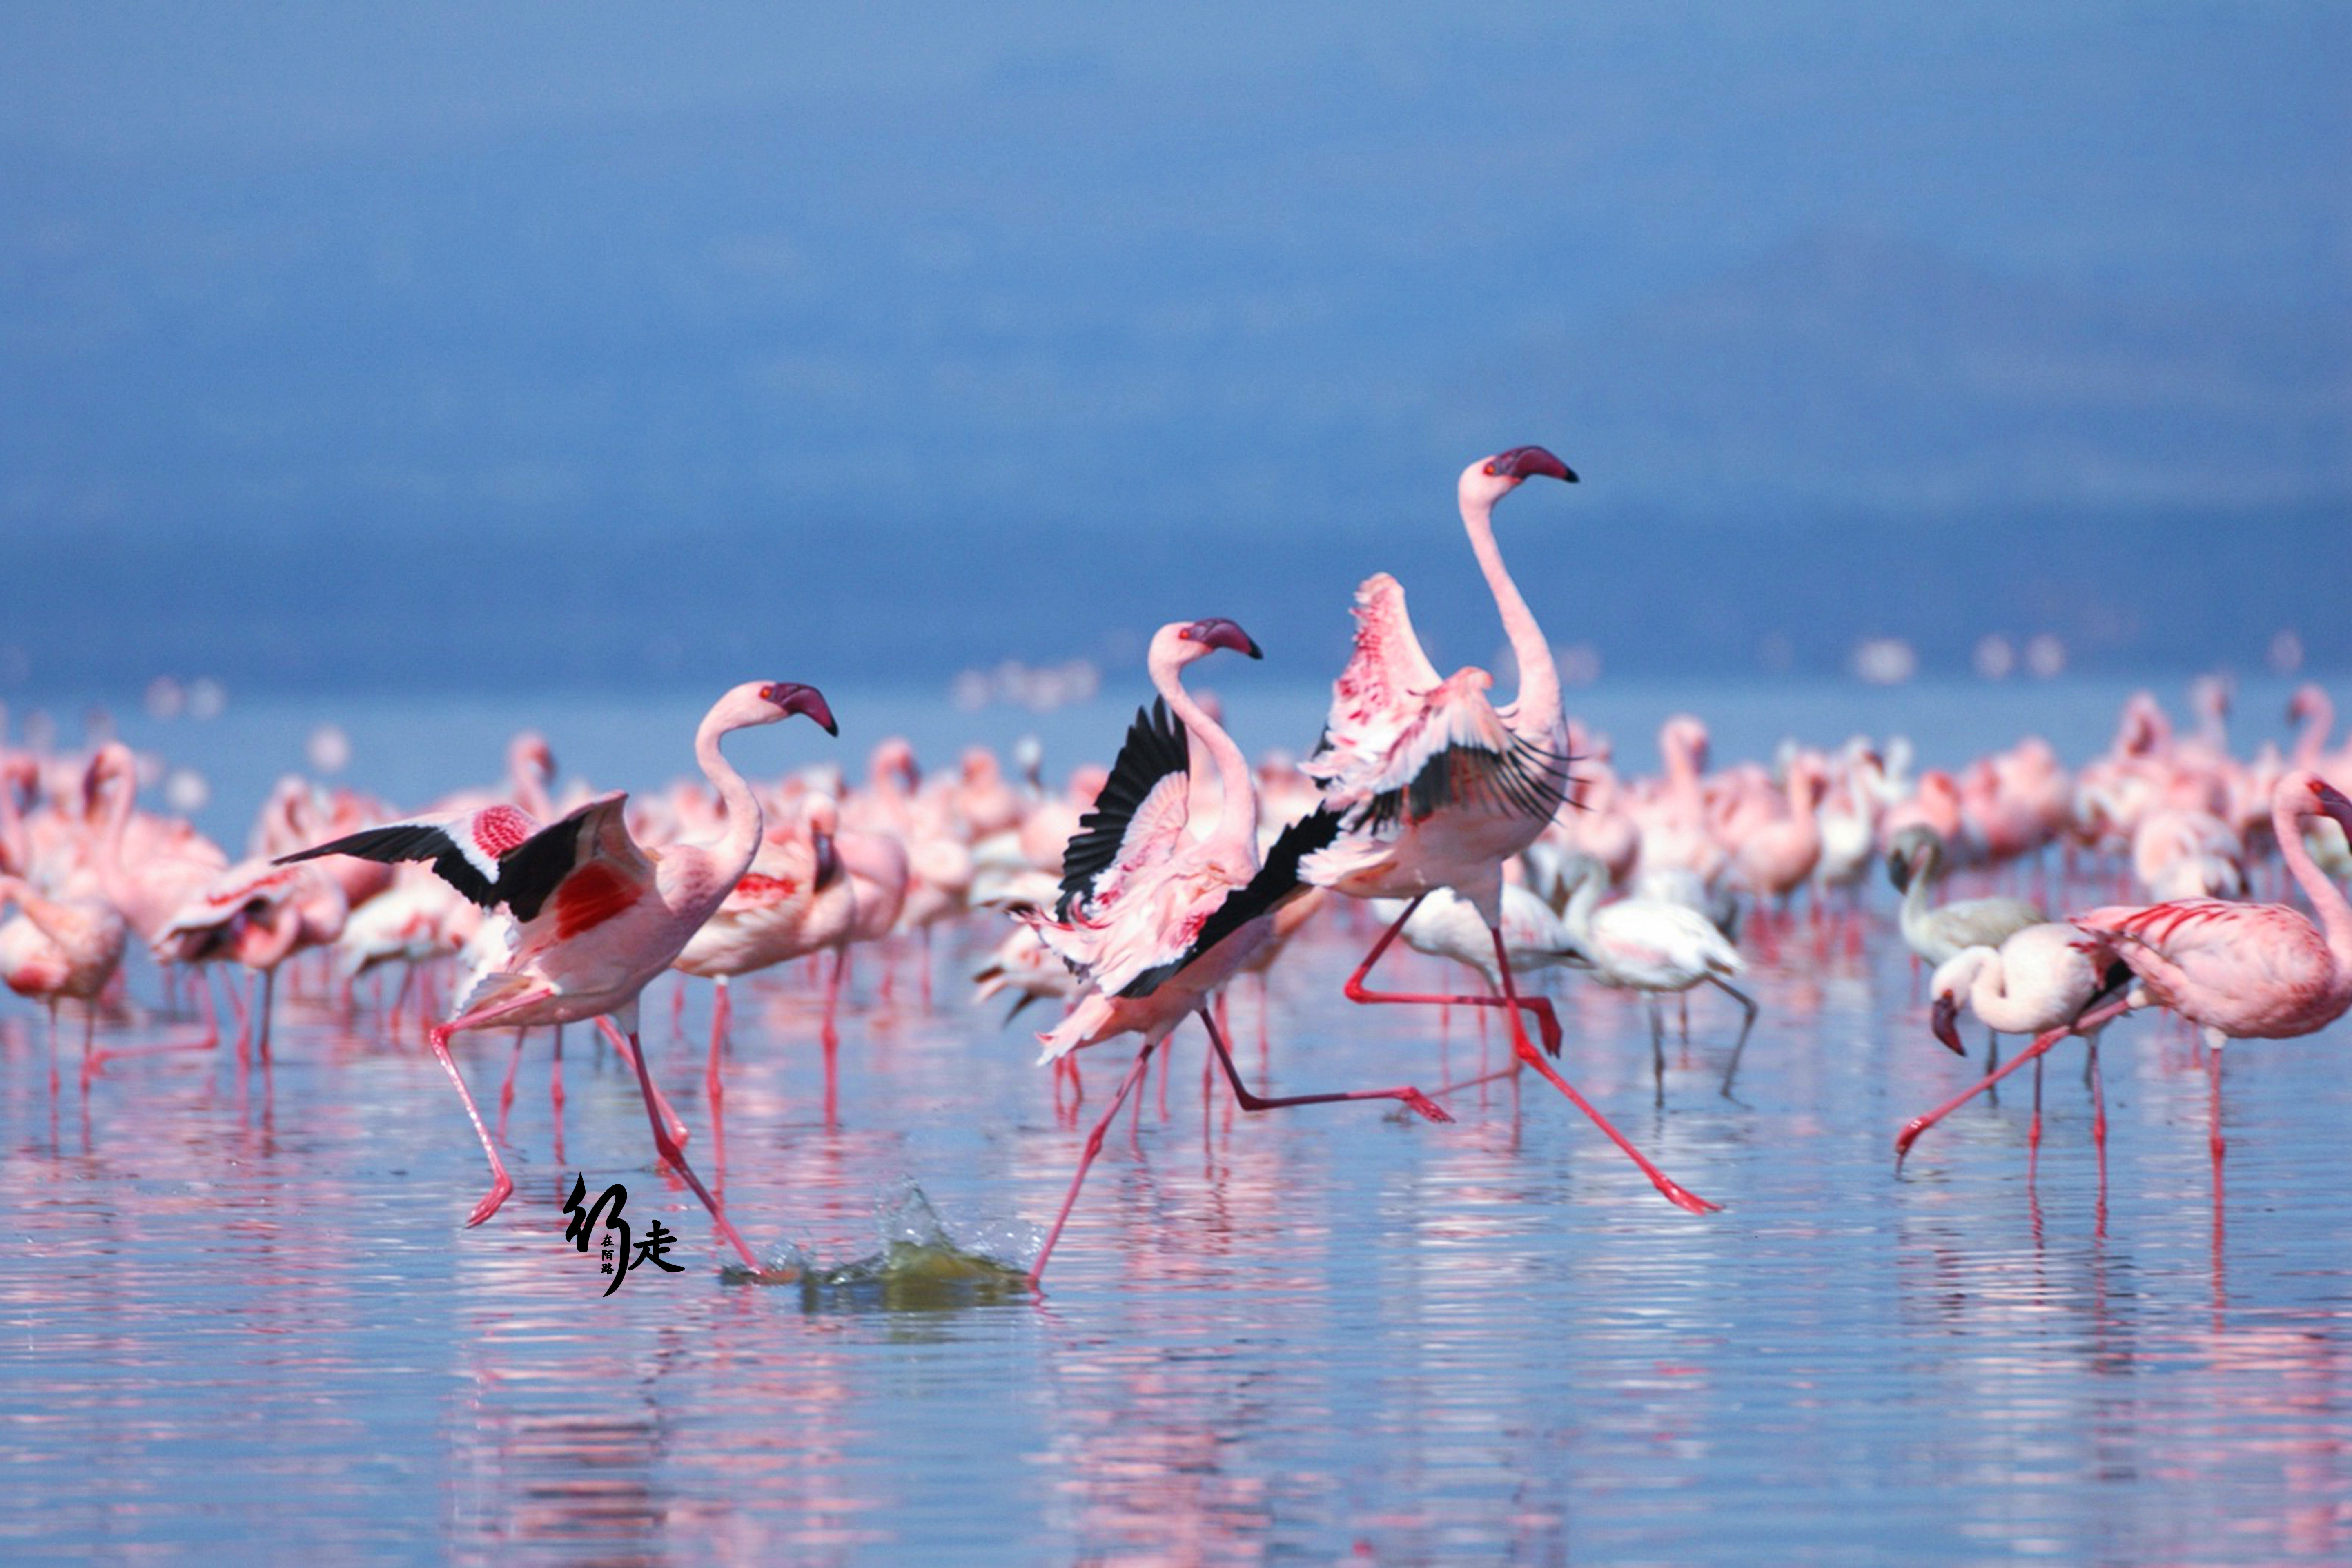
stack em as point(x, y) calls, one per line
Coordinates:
point(431, 346)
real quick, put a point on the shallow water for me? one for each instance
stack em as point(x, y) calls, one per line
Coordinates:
point(1306, 1334)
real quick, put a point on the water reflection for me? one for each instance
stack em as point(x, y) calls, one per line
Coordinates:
point(1296, 1335)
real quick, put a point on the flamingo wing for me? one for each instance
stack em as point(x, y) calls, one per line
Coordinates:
point(1275, 883)
point(498, 854)
point(1138, 817)
point(1455, 750)
point(1383, 686)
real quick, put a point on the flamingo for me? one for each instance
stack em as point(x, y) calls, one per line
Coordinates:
point(1657, 946)
point(1436, 787)
point(1154, 919)
point(793, 902)
point(2038, 978)
point(2238, 972)
point(598, 917)
point(60, 947)
point(1935, 934)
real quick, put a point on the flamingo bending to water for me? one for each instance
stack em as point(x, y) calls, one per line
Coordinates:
point(598, 918)
point(1433, 786)
point(2238, 971)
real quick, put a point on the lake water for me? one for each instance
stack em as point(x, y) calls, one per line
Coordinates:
point(243, 1317)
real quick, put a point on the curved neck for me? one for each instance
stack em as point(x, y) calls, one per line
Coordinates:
point(739, 809)
point(2313, 739)
point(1536, 708)
point(1583, 900)
point(2327, 899)
point(1234, 842)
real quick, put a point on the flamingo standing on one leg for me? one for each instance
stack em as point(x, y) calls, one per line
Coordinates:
point(1154, 920)
point(2261, 971)
point(598, 918)
point(1435, 787)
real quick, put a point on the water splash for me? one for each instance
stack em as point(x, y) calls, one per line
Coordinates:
point(918, 1268)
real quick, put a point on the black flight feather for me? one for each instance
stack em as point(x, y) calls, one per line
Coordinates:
point(1275, 884)
point(1156, 746)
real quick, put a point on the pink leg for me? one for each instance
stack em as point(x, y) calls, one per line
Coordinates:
point(672, 1151)
point(1674, 1191)
point(1356, 991)
point(722, 1015)
point(1919, 1124)
point(556, 1091)
point(830, 1036)
point(501, 1183)
point(94, 1062)
point(1086, 1157)
point(506, 1089)
point(2214, 1101)
point(1409, 1095)
point(627, 1046)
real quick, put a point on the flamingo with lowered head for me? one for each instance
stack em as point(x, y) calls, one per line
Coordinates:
point(2238, 971)
point(598, 917)
point(1435, 786)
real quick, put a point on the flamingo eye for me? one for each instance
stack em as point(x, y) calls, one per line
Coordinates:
point(1490, 470)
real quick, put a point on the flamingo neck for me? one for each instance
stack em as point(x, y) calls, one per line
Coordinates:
point(2312, 741)
point(1535, 711)
point(1233, 844)
point(738, 840)
point(2327, 899)
point(1583, 900)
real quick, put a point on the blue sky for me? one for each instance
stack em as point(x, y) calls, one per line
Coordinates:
point(868, 284)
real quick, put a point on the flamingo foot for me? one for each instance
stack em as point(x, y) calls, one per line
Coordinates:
point(497, 1195)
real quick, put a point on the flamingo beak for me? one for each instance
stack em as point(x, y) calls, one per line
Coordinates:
point(1527, 462)
point(1898, 871)
point(828, 861)
point(794, 697)
point(1944, 1020)
point(1217, 632)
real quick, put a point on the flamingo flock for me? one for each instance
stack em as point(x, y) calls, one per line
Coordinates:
point(1496, 838)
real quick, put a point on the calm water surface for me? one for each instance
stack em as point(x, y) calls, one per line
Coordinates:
point(1308, 1335)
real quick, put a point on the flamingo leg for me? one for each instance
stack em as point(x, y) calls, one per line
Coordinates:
point(1546, 1019)
point(94, 1062)
point(674, 1153)
point(627, 1046)
point(555, 1092)
point(1408, 1094)
point(1658, 1047)
point(501, 1183)
point(506, 1089)
point(2213, 1139)
point(1674, 1193)
point(1086, 1157)
point(1748, 1005)
point(1919, 1124)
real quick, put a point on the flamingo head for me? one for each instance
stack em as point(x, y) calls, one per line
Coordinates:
point(2308, 700)
point(1946, 989)
point(1489, 479)
point(1199, 638)
point(786, 698)
point(2325, 799)
point(1943, 1017)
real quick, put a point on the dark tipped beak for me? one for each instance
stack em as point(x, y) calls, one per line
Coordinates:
point(828, 862)
point(1527, 462)
point(1944, 1020)
point(803, 700)
point(1898, 871)
point(1226, 635)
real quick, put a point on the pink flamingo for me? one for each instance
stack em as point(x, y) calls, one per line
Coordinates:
point(57, 948)
point(793, 902)
point(2242, 972)
point(598, 918)
point(1154, 920)
point(2038, 978)
point(1435, 787)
